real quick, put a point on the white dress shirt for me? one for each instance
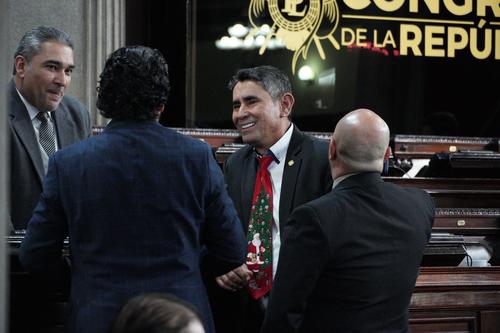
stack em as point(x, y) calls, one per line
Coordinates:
point(276, 169)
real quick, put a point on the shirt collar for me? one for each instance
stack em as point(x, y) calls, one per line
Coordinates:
point(279, 149)
point(32, 111)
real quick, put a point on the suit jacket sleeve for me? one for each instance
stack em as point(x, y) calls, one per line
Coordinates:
point(223, 232)
point(303, 255)
point(41, 248)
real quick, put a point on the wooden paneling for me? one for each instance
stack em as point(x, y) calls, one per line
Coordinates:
point(424, 146)
point(456, 299)
point(467, 221)
point(432, 322)
point(456, 192)
point(490, 321)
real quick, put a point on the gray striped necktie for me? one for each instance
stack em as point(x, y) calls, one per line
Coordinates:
point(46, 133)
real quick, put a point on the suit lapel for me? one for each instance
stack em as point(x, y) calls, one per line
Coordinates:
point(23, 128)
point(63, 128)
point(247, 186)
point(291, 170)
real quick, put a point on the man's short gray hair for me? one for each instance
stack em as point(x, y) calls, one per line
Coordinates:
point(31, 43)
point(273, 80)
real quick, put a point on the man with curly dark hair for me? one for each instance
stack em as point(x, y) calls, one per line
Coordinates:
point(139, 202)
point(132, 87)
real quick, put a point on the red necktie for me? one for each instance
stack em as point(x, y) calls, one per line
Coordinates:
point(260, 239)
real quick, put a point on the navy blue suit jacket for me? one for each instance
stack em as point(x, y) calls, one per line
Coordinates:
point(350, 259)
point(139, 202)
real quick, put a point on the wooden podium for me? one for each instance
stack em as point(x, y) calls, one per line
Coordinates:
point(456, 299)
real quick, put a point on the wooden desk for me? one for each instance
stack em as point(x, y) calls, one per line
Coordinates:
point(467, 221)
point(214, 137)
point(456, 192)
point(424, 146)
point(456, 299)
point(445, 299)
point(446, 183)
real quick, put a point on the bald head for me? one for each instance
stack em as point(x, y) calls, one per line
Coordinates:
point(359, 143)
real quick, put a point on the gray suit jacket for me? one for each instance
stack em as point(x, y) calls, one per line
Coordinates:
point(72, 122)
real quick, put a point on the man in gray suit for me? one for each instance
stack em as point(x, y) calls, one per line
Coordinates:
point(41, 119)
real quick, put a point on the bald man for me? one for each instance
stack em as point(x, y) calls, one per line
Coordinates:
point(350, 259)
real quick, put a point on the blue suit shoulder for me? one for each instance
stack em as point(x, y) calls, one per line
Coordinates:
point(187, 143)
point(194, 142)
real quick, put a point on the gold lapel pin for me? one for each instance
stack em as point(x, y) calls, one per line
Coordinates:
point(290, 163)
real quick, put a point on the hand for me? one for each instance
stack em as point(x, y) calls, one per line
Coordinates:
point(235, 279)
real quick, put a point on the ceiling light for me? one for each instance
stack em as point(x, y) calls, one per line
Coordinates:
point(306, 73)
point(237, 30)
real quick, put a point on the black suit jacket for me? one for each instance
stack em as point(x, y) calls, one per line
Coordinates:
point(306, 176)
point(72, 123)
point(350, 259)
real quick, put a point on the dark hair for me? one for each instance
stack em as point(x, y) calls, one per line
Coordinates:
point(31, 43)
point(154, 313)
point(133, 84)
point(273, 80)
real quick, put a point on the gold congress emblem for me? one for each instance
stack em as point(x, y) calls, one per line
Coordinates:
point(298, 23)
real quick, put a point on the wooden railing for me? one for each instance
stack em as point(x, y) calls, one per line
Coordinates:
point(424, 146)
point(456, 299)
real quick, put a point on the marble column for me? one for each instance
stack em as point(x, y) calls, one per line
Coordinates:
point(104, 33)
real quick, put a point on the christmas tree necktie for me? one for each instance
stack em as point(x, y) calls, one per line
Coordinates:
point(260, 240)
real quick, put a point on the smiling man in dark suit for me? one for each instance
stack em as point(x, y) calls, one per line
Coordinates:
point(299, 172)
point(43, 63)
point(350, 259)
point(139, 202)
